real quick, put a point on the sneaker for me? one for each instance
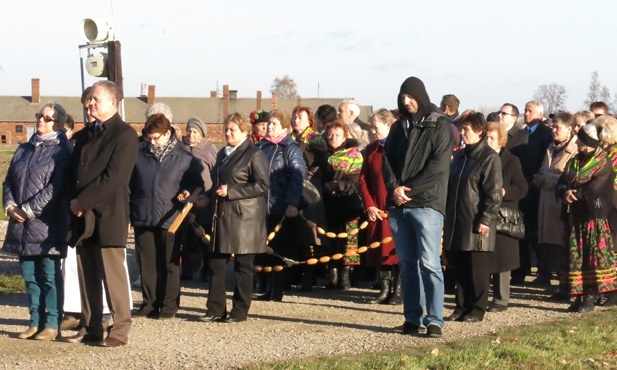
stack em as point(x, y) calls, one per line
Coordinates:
point(433, 331)
point(407, 328)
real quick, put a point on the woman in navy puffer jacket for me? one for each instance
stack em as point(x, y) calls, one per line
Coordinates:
point(35, 200)
point(163, 177)
point(287, 172)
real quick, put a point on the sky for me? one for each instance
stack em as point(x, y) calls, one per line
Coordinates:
point(484, 51)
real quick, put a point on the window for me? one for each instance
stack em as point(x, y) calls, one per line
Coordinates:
point(19, 129)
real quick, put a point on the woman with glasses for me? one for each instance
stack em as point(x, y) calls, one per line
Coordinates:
point(34, 199)
point(164, 177)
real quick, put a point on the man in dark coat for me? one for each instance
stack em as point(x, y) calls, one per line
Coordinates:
point(517, 138)
point(103, 160)
point(540, 137)
point(416, 169)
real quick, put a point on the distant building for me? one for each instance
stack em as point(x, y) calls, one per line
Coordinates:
point(17, 122)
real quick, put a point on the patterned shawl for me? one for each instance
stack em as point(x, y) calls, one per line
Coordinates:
point(582, 170)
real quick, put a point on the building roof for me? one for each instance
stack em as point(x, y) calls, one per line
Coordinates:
point(209, 110)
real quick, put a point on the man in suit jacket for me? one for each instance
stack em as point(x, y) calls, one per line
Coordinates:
point(103, 160)
point(540, 137)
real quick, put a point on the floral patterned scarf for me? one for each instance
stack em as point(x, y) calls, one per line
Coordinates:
point(582, 170)
point(348, 161)
point(612, 156)
point(309, 137)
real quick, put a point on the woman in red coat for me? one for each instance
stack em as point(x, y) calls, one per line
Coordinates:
point(373, 192)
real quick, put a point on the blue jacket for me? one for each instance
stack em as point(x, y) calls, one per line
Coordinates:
point(36, 182)
point(286, 174)
point(155, 185)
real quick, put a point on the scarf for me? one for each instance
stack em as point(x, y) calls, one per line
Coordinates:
point(612, 156)
point(37, 139)
point(347, 160)
point(276, 140)
point(160, 151)
point(582, 169)
point(230, 149)
point(559, 146)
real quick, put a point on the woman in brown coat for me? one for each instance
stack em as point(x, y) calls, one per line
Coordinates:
point(552, 251)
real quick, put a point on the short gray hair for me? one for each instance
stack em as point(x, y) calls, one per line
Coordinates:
point(161, 108)
point(353, 106)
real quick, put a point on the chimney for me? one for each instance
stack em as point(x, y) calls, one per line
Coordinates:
point(151, 93)
point(233, 94)
point(144, 90)
point(225, 100)
point(36, 91)
point(299, 102)
point(213, 93)
point(274, 101)
point(258, 99)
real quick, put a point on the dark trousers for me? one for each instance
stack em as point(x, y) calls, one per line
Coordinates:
point(97, 266)
point(472, 276)
point(243, 292)
point(159, 265)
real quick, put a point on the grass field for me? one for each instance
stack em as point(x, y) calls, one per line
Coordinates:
point(585, 342)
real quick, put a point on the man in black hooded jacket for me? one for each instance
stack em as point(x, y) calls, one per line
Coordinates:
point(416, 167)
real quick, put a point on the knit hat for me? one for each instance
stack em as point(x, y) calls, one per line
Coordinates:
point(588, 134)
point(259, 116)
point(198, 125)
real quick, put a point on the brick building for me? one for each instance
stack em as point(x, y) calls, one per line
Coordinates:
point(17, 122)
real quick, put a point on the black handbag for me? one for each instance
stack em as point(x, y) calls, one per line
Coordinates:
point(310, 194)
point(510, 223)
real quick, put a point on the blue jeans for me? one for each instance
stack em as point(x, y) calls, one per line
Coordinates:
point(417, 239)
point(44, 286)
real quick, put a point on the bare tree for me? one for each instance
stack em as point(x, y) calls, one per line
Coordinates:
point(552, 96)
point(284, 87)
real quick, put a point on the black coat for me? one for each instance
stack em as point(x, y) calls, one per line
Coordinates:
point(155, 186)
point(474, 198)
point(239, 224)
point(517, 141)
point(419, 160)
point(35, 182)
point(102, 166)
point(506, 256)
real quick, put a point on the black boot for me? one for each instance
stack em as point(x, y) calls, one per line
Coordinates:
point(384, 279)
point(611, 299)
point(308, 278)
point(589, 302)
point(396, 297)
point(267, 296)
point(575, 305)
point(345, 280)
point(278, 284)
point(377, 284)
point(333, 278)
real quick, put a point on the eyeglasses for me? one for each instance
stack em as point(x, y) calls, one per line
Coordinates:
point(45, 117)
point(502, 113)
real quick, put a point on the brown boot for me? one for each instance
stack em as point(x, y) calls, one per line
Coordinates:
point(29, 333)
point(47, 334)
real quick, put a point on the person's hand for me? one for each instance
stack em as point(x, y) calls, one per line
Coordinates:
point(570, 196)
point(202, 201)
point(222, 191)
point(17, 214)
point(399, 195)
point(76, 208)
point(483, 229)
point(291, 211)
point(374, 214)
point(183, 197)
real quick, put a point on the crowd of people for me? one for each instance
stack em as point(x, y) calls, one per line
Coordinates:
point(448, 202)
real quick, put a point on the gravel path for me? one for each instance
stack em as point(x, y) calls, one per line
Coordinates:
point(305, 324)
